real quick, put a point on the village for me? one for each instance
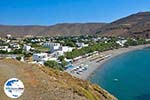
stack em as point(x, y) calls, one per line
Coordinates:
point(63, 53)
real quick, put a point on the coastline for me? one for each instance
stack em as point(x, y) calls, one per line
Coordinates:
point(93, 65)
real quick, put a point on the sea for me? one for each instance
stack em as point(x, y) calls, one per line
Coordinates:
point(126, 76)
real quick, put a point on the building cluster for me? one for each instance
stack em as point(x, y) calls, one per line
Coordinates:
point(42, 49)
point(55, 50)
point(8, 44)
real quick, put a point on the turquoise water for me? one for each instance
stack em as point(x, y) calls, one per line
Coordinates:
point(126, 76)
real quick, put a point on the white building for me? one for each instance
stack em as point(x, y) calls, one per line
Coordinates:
point(8, 49)
point(8, 36)
point(61, 51)
point(15, 45)
point(5, 48)
point(7, 41)
point(81, 45)
point(40, 57)
point(27, 48)
point(66, 49)
point(121, 42)
point(53, 46)
point(147, 40)
point(35, 40)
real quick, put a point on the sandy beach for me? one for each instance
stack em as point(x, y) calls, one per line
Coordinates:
point(97, 61)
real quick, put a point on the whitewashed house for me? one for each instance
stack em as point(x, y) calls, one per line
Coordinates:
point(56, 54)
point(15, 45)
point(8, 49)
point(7, 41)
point(121, 42)
point(27, 48)
point(8, 36)
point(147, 40)
point(61, 51)
point(35, 40)
point(3, 47)
point(40, 57)
point(66, 49)
point(81, 45)
point(53, 46)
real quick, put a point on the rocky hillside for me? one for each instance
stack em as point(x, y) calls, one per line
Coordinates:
point(58, 29)
point(133, 25)
point(42, 83)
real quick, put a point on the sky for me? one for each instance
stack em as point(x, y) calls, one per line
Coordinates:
point(49, 12)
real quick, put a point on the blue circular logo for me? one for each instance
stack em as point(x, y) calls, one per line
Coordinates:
point(14, 88)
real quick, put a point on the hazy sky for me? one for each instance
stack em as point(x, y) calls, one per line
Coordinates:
point(47, 12)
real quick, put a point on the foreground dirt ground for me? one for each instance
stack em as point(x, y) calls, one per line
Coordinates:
point(46, 84)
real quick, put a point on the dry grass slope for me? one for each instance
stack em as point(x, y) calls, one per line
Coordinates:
point(42, 83)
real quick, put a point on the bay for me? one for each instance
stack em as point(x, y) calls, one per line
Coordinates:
point(126, 76)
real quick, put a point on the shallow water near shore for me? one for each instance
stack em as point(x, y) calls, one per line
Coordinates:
point(126, 76)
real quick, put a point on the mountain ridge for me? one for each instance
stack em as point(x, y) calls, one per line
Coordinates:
point(135, 25)
point(53, 30)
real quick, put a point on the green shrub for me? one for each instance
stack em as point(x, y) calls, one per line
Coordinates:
point(18, 58)
point(53, 64)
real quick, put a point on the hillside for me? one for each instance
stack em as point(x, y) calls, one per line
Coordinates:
point(133, 25)
point(58, 29)
point(42, 83)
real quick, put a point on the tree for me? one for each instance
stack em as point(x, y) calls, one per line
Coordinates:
point(63, 63)
point(18, 58)
point(17, 51)
point(53, 64)
point(61, 58)
point(69, 43)
point(95, 47)
point(27, 54)
point(131, 42)
point(3, 52)
point(141, 41)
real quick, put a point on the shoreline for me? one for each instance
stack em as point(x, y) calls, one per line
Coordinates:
point(93, 65)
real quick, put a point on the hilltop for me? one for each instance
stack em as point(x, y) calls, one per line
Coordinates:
point(134, 25)
point(65, 29)
point(42, 83)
